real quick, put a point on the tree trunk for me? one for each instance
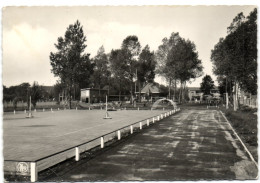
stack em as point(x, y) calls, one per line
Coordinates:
point(235, 96)
point(131, 100)
point(180, 93)
point(170, 89)
point(99, 94)
point(175, 87)
point(69, 97)
point(74, 90)
point(183, 90)
point(139, 88)
point(119, 91)
point(226, 94)
point(227, 100)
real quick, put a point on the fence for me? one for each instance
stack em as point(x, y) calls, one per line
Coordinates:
point(32, 168)
point(24, 104)
point(251, 102)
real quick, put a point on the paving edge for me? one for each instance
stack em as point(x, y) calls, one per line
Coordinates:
point(248, 152)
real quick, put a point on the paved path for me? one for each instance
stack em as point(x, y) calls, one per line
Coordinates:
point(191, 145)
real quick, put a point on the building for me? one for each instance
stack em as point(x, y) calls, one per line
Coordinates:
point(93, 95)
point(195, 93)
point(150, 92)
point(215, 92)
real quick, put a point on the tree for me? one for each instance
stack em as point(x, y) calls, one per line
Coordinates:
point(207, 84)
point(225, 86)
point(118, 62)
point(35, 93)
point(101, 73)
point(169, 73)
point(131, 48)
point(145, 68)
point(17, 93)
point(70, 63)
point(235, 56)
point(178, 60)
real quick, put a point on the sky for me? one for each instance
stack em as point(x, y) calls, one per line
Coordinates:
point(29, 33)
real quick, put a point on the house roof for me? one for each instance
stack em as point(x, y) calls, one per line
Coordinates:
point(194, 88)
point(48, 89)
point(198, 88)
point(150, 88)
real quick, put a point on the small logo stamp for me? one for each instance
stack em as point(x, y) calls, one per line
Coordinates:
point(22, 168)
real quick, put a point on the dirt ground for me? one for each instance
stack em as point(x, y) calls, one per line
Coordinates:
point(190, 145)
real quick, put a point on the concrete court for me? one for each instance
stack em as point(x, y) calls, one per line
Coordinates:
point(190, 145)
point(50, 132)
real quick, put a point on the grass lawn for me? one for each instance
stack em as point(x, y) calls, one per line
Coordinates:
point(244, 121)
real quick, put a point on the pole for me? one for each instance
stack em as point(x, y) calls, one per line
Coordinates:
point(106, 103)
point(227, 100)
point(30, 104)
point(107, 116)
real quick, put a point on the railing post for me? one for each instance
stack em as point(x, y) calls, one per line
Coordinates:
point(158, 118)
point(102, 142)
point(165, 115)
point(131, 129)
point(147, 122)
point(14, 111)
point(153, 119)
point(34, 172)
point(118, 134)
point(141, 125)
point(161, 116)
point(77, 154)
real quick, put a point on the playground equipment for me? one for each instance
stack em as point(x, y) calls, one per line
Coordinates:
point(107, 115)
point(157, 102)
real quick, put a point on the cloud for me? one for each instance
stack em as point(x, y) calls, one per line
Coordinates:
point(26, 54)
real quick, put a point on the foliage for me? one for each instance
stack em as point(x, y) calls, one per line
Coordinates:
point(235, 56)
point(101, 71)
point(224, 85)
point(18, 92)
point(146, 66)
point(118, 63)
point(178, 60)
point(131, 50)
point(207, 84)
point(70, 63)
point(35, 93)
